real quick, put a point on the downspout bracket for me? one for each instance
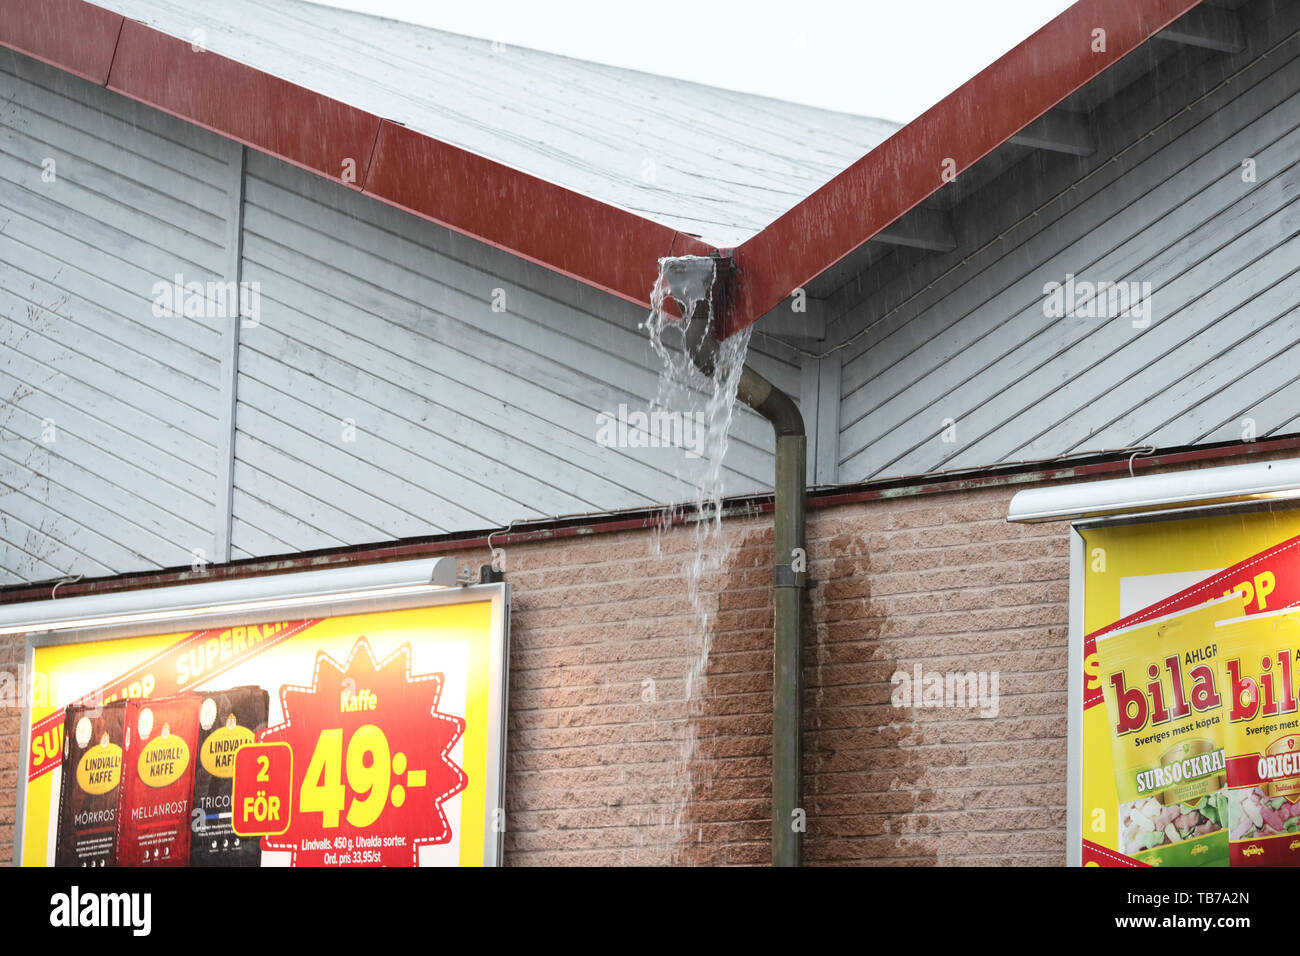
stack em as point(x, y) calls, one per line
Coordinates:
point(784, 576)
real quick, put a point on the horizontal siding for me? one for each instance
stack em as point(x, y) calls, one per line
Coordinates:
point(127, 483)
point(465, 417)
point(1221, 256)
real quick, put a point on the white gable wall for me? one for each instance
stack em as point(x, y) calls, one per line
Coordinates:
point(1163, 201)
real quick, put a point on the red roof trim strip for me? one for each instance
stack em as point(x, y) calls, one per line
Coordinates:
point(581, 237)
point(601, 245)
point(245, 104)
point(963, 127)
point(76, 37)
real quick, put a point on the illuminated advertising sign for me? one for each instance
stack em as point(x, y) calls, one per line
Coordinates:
point(341, 727)
point(1187, 711)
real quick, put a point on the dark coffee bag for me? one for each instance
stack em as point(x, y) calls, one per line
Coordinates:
point(228, 719)
point(93, 739)
point(157, 791)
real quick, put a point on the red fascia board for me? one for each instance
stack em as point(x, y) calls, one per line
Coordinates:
point(591, 241)
point(76, 37)
point(963, 127)
point(259, 110)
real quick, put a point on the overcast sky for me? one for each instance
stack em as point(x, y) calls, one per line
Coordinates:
point(886, 58)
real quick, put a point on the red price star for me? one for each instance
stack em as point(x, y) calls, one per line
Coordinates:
point(371, 762)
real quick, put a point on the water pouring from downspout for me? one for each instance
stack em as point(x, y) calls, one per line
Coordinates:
point(699, 285)
point(705, 403)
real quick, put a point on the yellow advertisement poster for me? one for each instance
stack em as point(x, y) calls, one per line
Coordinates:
point(359, 739)
point(1162, 572)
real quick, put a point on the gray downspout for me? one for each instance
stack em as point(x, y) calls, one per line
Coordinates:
point(788, 584)
point(788, 587)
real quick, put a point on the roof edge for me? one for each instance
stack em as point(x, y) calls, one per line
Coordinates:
point(76, 37)
point(942, 142)
point(593, 242)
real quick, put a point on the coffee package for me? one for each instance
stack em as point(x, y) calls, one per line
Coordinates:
point(91, 778)
point(157, 790)
point(228, 720)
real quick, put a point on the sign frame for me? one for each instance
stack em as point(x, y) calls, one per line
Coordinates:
point(328, 605)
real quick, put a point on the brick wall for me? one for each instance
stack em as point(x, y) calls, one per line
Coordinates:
point(594, 766)
point(11, 665)
point(609, 764)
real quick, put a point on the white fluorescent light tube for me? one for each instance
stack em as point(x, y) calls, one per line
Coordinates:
point(1255, 480)
point(263, 592)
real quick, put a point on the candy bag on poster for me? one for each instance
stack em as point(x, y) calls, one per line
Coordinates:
point(1259, 658)
point(1160, 681)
